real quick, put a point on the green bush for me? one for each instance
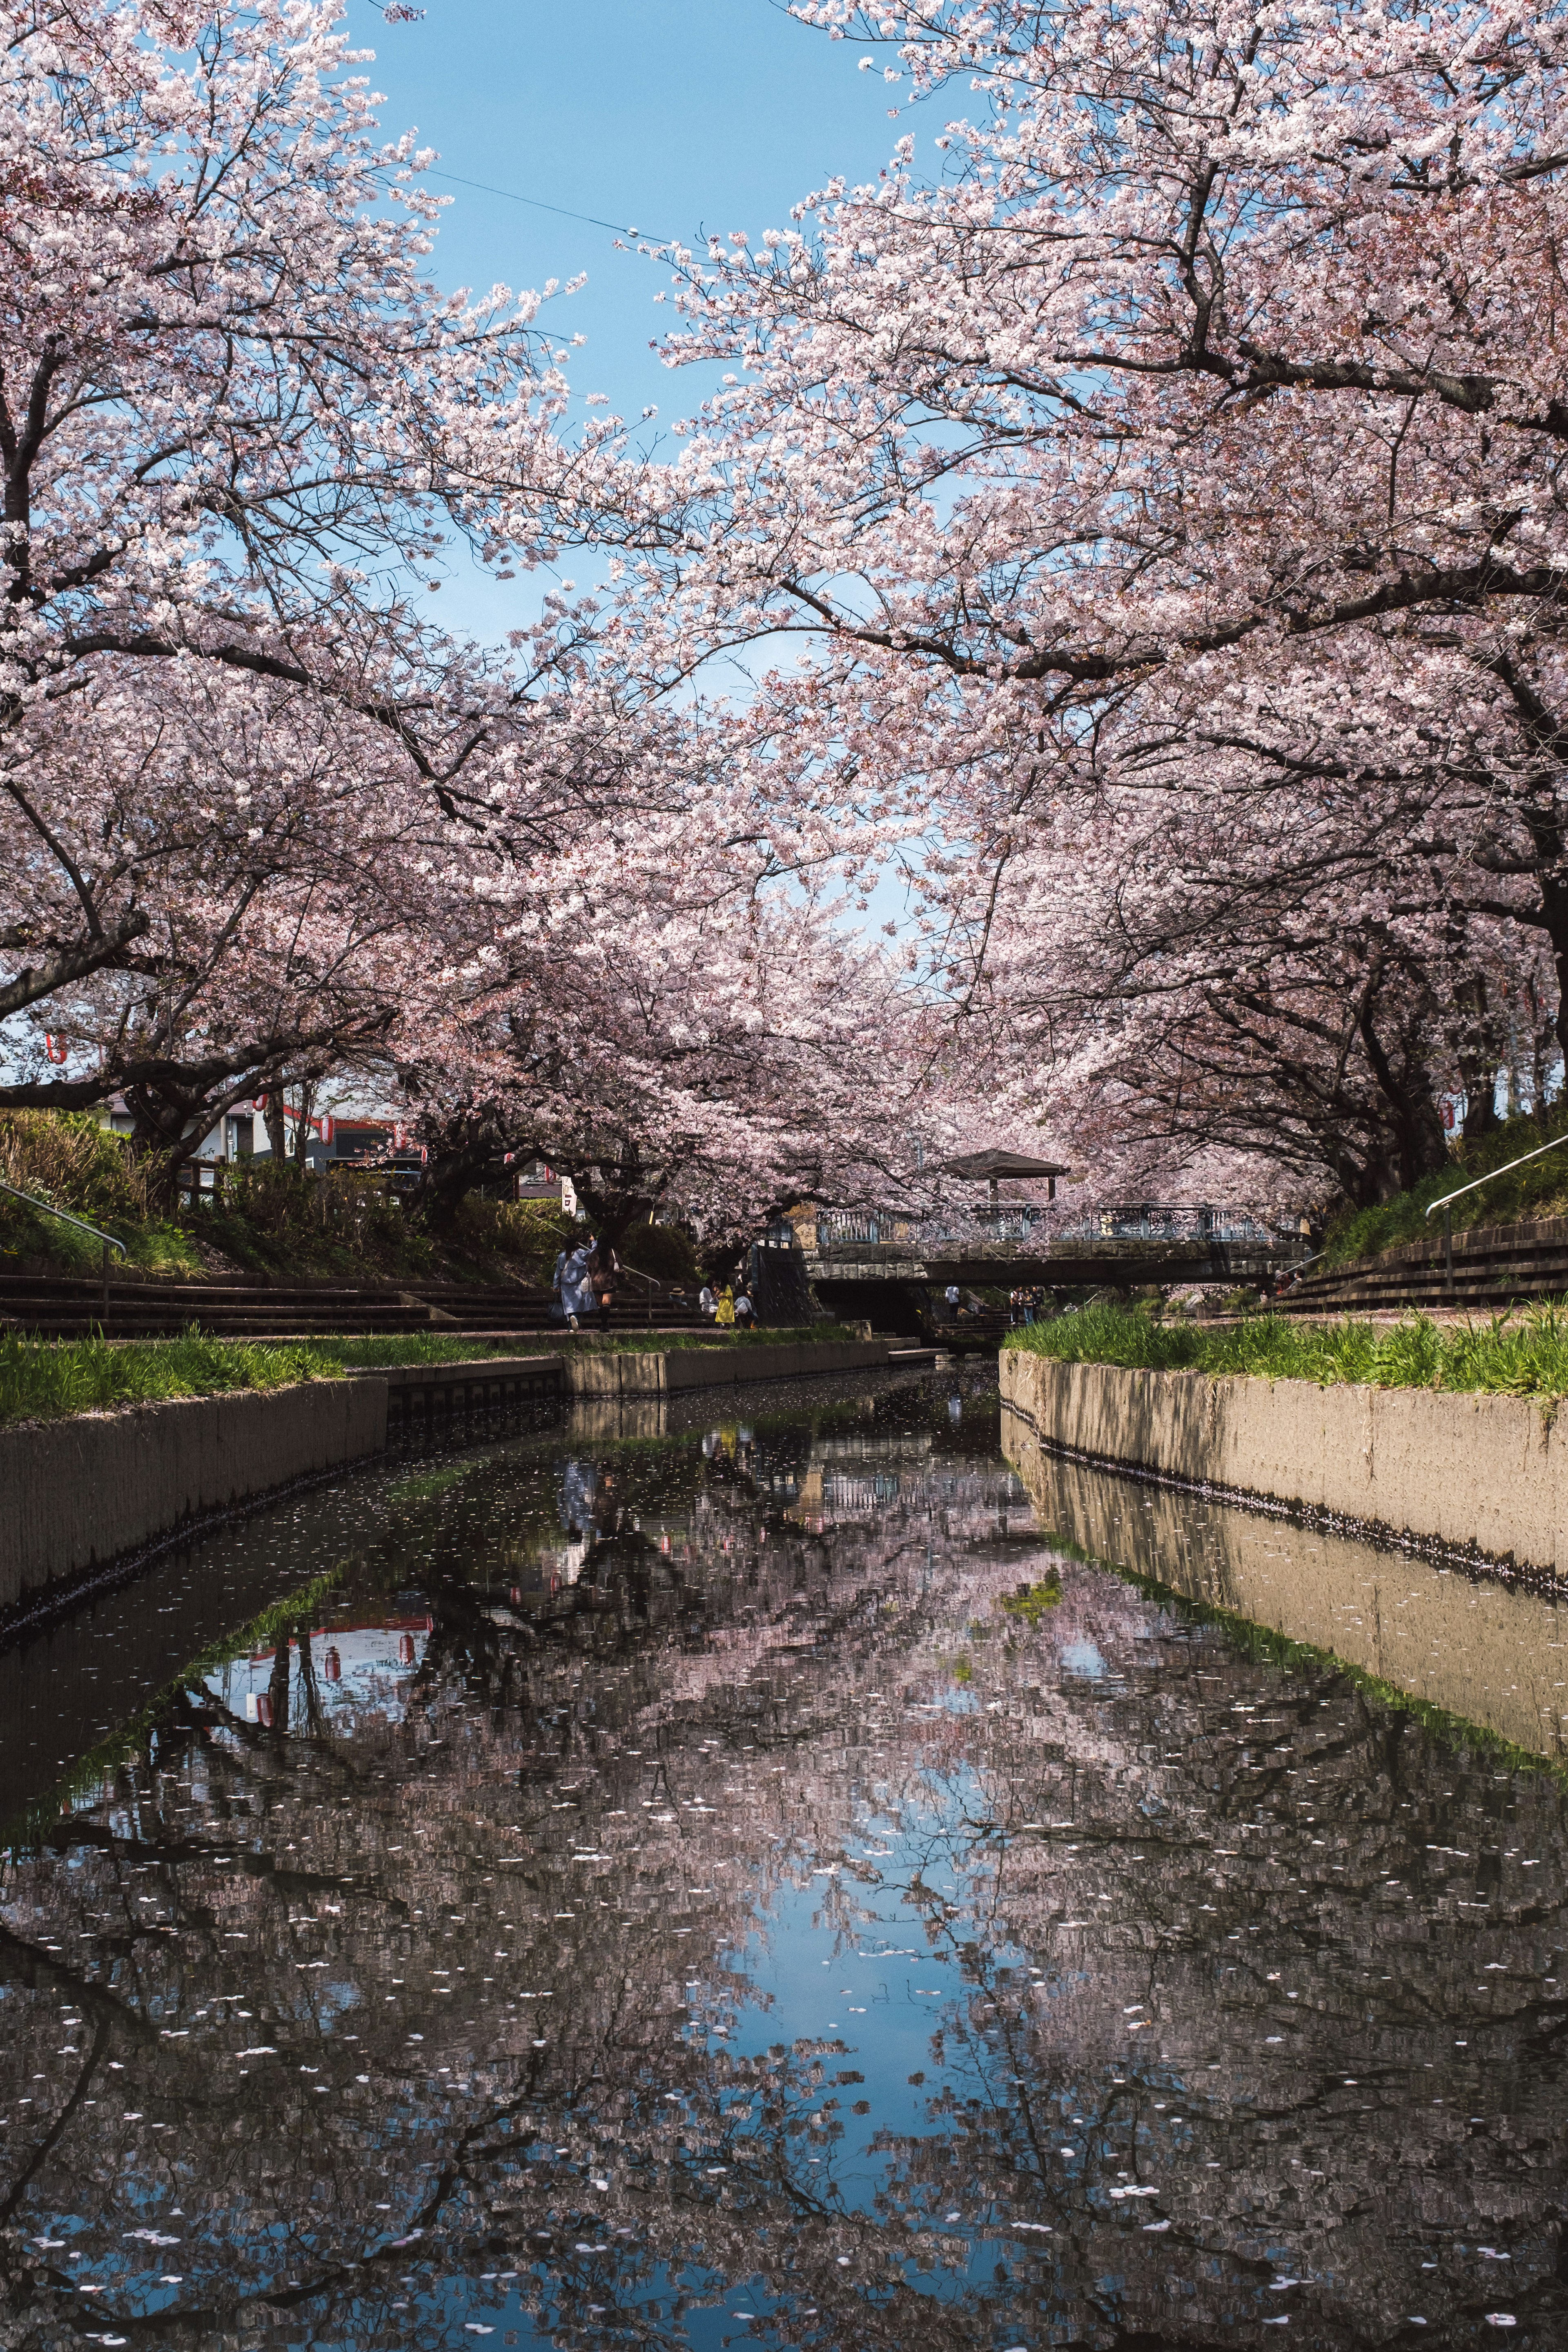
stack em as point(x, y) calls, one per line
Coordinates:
point(529, 1233)
point(665, 1252)
point(67, 1159)
point(285, 1219)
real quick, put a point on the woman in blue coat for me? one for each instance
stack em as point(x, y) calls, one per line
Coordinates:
point(573, 1283)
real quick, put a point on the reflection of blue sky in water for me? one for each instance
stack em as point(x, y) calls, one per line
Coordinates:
point(351, 1671)
point(850, 1956)
point(845, 1961)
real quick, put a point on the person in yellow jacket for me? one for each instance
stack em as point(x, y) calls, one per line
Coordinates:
point(725, 1317)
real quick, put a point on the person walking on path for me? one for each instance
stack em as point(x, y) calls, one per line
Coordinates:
point(724, 1313)
point(603, 1268)
point(707, 1300)
point(574, 1282)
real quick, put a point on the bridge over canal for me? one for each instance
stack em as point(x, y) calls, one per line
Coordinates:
point(891, 1272)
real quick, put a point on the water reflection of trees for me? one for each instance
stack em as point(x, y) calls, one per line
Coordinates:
point(343, 1997)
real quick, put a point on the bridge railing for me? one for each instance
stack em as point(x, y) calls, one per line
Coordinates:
point(1039, 1228)
point(835, 1227)
point(1148, 1221)
point(984, 1225)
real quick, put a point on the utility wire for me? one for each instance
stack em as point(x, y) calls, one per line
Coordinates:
point(540, 205)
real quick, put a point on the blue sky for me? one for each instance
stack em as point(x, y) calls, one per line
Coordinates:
point(675, 117)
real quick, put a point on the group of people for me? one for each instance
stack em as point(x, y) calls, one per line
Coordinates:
point(584, 1279)
point(730, 1309)
point(1023, 1306)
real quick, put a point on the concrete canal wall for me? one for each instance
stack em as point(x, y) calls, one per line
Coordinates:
point(1479, 1649)
point(1484, 1472)
point(78, 1494)
point(705, 1367)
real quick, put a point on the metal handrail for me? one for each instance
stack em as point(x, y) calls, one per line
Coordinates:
point(81, 1225)
point(653, 1284)
point(1448, 1198)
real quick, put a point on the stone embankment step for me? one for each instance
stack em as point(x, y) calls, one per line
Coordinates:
point(255, 1306)
point(1495, 1266)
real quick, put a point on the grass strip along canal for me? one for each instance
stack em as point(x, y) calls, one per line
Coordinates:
point(771, 1882)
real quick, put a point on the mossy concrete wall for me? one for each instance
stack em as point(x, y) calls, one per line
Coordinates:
point(674, 1368)
point(1477, 1648)
point(78, 1492)
point(1485, 1471)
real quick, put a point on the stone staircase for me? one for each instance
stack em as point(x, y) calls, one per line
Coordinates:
point(1495, 1266)
point(984, 1332)
point(256, 1306)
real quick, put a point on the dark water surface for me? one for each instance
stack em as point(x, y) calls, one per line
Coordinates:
point(762, 1881)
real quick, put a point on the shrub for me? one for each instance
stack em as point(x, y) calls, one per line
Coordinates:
point(665, 1252)
point(284, 1217)
point(529, 1232)
point(67, 1159)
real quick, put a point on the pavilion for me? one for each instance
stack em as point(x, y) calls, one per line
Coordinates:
point(990, 1167)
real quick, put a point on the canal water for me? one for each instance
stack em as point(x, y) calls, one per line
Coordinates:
point(807, 1872)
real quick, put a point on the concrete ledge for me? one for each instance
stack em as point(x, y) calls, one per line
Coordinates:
point(1488, 1473)
point(703, 1367)
point(1468, 1644)
point(78, 1492)
point(472, 1372)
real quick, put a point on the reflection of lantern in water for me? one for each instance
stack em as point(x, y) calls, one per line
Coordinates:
point(406, 1649)
point(264, 1710)
point(332, 1666)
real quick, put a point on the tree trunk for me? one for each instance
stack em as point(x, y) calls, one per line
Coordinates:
point(1555, 922)
point(1416, 1145)
point(458, 1158)
point(277, 1125)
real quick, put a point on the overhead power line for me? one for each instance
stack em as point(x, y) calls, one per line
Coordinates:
point(538, 205)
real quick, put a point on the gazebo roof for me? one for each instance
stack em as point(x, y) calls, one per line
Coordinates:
point(980, 1165)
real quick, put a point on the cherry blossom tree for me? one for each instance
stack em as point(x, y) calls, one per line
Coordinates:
point(675, 1038)
point(1280, 921)
point(244, 842)
point(1182, 466)
point(235, 419)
